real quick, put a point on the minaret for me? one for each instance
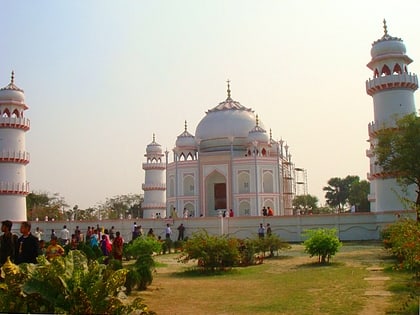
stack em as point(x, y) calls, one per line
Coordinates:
point(392, 89)
point(154, 187)
point(13, 156)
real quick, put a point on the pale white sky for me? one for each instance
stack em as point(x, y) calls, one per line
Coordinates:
point(100, 77)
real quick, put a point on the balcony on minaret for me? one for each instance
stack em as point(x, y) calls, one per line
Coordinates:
point(153, 166)
point(21, 157)
point(10, 188)
point(153, 205)
point(403, 80)
point(147, 187)
point(15, 122)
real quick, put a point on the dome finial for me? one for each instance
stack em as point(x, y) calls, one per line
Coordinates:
point(385, 28)
point(256, 120)
point(271, 135)
point(12, 77)
point(185, 125)
point(228, 88)
point(154, 137)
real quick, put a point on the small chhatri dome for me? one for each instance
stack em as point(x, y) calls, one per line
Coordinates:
point(258, 134)
point(154, 147)
point(11, 92)
point(185, 139)
point(387, 45)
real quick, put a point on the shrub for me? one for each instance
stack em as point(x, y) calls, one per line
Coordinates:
point(68, 284)
point(270, 243)
point(141, 272)
point(323, 243)
point(402, 239)
point(212, 252)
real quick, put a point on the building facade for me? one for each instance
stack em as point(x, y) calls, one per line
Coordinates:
point(230, 163)
point(13, 155)
point(392, 89)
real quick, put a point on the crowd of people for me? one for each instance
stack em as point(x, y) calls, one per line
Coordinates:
point(27, 247)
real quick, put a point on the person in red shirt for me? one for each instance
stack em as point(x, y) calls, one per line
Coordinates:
point(117, 246)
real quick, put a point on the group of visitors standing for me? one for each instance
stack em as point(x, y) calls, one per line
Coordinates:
point(27, 247)
point(262, 230)
point(267, 211)
point(109, 242)
point(23, 249)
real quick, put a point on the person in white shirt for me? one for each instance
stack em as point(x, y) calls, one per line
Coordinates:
point(38, 234)
point(64, 236)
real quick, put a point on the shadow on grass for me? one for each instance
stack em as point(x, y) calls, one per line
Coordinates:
point(197, 272)
point(316, 264)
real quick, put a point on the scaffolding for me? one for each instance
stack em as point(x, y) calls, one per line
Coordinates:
point(301, 181)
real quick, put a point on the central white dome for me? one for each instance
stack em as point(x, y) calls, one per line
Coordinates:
point(226, 123)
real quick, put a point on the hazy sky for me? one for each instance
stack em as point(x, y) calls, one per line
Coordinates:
point(100, 77)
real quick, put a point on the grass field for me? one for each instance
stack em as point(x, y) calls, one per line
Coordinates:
point(291, 283)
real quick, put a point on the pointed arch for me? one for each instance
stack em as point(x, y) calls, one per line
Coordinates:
point(6, 113)
point(376, 73)
point(188, 185)
point(385, 70)
point(215, 193)
point(243, 182)
point(268, 182)
point(244, 208)
point(15, 114)
point(397, 69)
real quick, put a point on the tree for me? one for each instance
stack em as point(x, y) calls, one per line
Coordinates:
point(338, 190)
point(121, 206)
point(305, 203)
point(358, 193)
point(41, 204)
point(397, 152)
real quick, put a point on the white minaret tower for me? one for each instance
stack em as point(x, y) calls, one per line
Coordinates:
point(154, 186)
point(13, 157)
point(392, 89)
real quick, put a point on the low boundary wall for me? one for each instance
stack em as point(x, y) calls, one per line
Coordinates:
point(350, 226)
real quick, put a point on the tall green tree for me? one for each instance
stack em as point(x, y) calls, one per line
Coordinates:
point(358, 193)
point(338, 191)
point(397, 152)
point(305, 202)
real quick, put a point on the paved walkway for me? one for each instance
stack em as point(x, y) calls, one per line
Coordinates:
point(377, 294)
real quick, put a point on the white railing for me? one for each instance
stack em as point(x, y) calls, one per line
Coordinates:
point(16, 156)
point(395, 80)
point(14, 188)
point(150, 166)
point(23, 123)
point(153, 205)
point(153, 186)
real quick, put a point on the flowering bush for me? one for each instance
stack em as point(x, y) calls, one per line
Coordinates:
point(402, 239)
